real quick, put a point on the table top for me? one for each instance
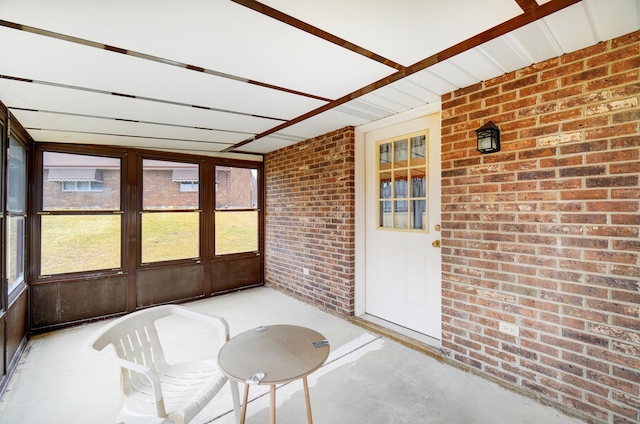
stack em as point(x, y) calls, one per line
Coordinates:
point(282, 352)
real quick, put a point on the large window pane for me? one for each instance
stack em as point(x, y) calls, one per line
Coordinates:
point(15, 251)
point(16, 207)
point(236, 232)
point(73, 243)
point(80, 182)
point(16, 177)
point(170, 235)
point(236, 187)
point(76, 243)
point(170, 185)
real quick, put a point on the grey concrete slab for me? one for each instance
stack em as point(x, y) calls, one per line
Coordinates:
point(367, 378)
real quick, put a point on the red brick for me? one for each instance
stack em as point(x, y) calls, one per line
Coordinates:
point(626, 39)
point(614, 56)
point(581, 77)
point(614, 156)
point(584, 53)
point(612, 81)
point(592, 122)
point(561, 94)
point(538, 88)
point(561, 116)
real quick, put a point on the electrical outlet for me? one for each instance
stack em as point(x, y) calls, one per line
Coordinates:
point(511, 329)
point(305, 271)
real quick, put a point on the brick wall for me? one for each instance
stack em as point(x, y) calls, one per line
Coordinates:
point(310, 220)
point(545, 233)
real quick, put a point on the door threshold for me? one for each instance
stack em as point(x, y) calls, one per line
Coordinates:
point(419, 337)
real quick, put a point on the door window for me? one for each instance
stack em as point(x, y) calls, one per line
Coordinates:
point(402, 182)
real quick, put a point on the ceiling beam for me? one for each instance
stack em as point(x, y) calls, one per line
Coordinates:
point(308, 28)
point(527, 5)
point(470, 43)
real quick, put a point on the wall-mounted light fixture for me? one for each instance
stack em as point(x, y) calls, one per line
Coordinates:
point(488, 138)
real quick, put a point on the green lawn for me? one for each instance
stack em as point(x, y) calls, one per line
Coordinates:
point(76, 243)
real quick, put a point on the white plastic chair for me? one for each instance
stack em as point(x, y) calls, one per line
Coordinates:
point(155, 391)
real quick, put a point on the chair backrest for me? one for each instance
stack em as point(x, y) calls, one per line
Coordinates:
point(135, 339)
point(134, 336)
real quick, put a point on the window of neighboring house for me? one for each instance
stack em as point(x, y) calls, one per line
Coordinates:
point(81, 186)
point(189, 186)
point(80, 232)
point(170, 215)
point(236, 213)
point(402, 179)
point(15, 213)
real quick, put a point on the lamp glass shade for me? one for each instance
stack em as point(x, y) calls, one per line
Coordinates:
point(488, 138)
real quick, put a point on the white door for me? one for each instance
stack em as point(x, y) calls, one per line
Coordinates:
point(402, 224)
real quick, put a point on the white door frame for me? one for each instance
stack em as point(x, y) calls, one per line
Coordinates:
point(360, 214)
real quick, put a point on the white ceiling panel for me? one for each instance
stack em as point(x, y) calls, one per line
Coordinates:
point(432, 82)
point(405, 32)
point(477, 64)
point(451, 73)
point(267, 144)
point(502, 53)
point(612, 18)
point(394, 93)
point(571, 28)
point(534, 42)
point(223, 37)
point(369, 107)
point(79, 90)
point(53, 121)
point(383, 103)
point(17, 94)
point(83, 66)
point(316, 126)
point(126, 141)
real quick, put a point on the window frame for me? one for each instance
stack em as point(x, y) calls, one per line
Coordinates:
point(18, 288)
point(257, 208)
point(118, 154)
point(142, 211)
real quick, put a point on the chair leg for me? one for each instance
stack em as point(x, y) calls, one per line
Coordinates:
point(235, 396)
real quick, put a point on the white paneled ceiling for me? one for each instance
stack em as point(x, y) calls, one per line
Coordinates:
point(240, 76)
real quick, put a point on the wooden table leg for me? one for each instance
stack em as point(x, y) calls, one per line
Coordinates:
point(273, 404)
point(244, 403)
point(306, 397)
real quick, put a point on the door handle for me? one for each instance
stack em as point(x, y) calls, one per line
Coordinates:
point(436, 243)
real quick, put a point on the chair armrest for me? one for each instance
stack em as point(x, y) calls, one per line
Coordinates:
point(219, 322)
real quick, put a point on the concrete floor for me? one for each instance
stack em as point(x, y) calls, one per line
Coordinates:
point(367, 378)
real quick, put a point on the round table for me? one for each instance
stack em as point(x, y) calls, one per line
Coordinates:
point(282, 353)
